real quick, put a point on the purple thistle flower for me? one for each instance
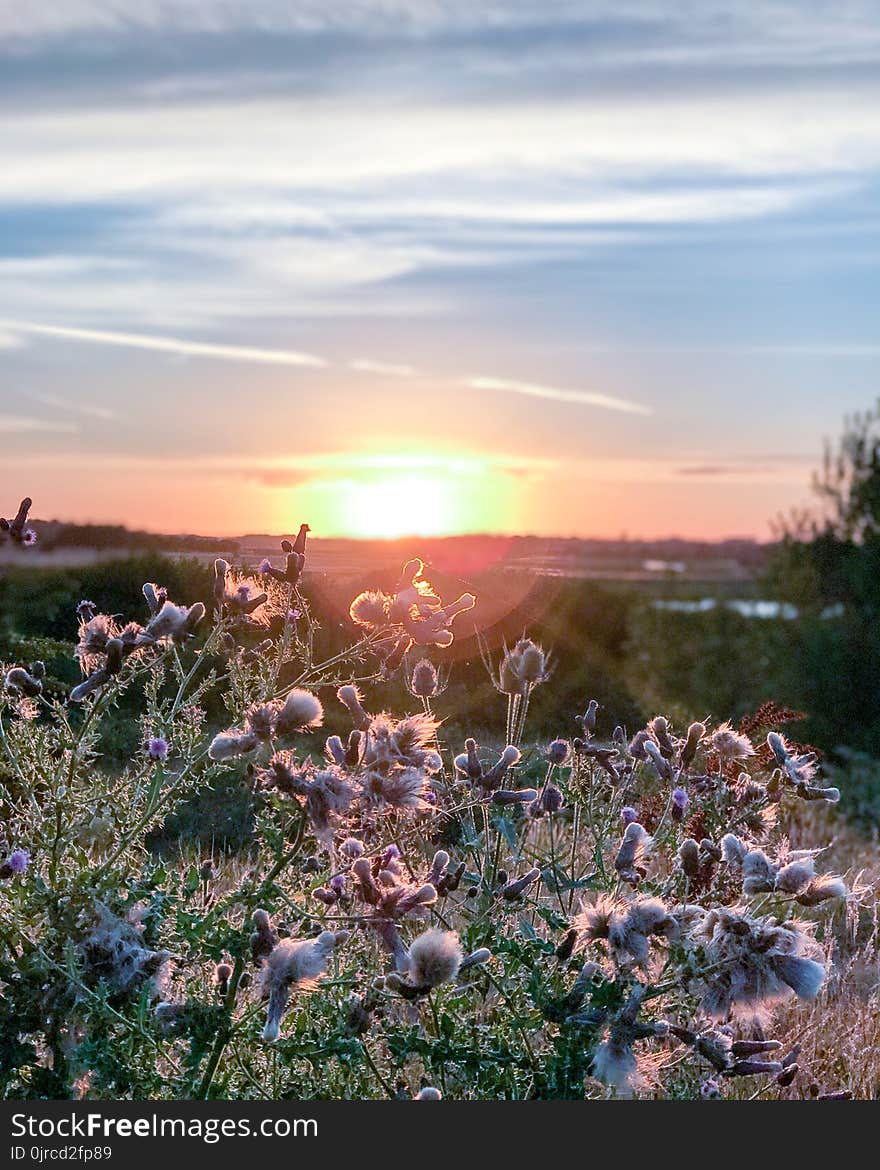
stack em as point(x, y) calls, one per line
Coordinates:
point(557, 752)
point(157, 748)
point(86, 610)
point(265, 565)
point(628, 814)
point(680, 801)
point(337, 883)
point(293, 615)
point(28, 537)
point(19, 861)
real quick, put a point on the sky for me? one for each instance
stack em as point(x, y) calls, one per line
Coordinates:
point(425, 266)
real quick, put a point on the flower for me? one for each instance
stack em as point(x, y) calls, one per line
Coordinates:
point(434, 958)
point(679, 802)
point(157, 748)
point(754, 962)
point(557, 752)
point(18, 861)
point(292, 964)
point(730, 744)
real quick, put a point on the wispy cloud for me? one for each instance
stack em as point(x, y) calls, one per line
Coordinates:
point(172, 345)
point(536, 390)
point(87, 409)
point(17, 424)
point(389, 369)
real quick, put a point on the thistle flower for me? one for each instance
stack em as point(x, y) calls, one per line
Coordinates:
point(157, 748)
point(557, 752)
point(230, 744)
point(754, 961)
point(628, 814)
point(370, 609)
point(588, 719)
point(174, 623)
point(661, 764)
point(301, 711)
point(28, 684)
point(729, 744)
point(292, 965)
point(17, 530)
point(522, 668)
point(659, 730)
point(516, 888)
point(424, 682)
point(695, 734)
point(352, 848)
point(352, 700)
point(633, 853)
point(295, 562)
point(679, 803)
point(434, 958)
point(15, 864)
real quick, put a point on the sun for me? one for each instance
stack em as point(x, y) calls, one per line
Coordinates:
point(402, 505)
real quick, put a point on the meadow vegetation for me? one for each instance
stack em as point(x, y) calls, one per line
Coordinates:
point(255, 846)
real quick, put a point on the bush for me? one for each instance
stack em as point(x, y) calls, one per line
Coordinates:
point(387, 909)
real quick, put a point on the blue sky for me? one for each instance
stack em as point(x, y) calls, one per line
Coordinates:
point(575, 267)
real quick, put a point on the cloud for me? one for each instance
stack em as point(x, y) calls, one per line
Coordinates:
point(171, 345)
point(87, 409)
point(391, 369)
point(581, 397)
point(15, 424)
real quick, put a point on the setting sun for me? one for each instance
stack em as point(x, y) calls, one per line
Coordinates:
point(403, 505)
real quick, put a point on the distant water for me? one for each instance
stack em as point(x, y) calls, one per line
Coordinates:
point(747, 608)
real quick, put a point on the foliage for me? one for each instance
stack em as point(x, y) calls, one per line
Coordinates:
point(602, 915)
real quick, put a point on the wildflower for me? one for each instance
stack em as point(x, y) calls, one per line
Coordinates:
point(637, 745)
point(655, 755)
point(175, 623)
point(17, 530)
point(264, 939)
point(434, 958)
point(222, 975)
point(15, 864)
point(695, 733)
point(729, 744)
point(659, 730)
point(679, 802)
point(710, 1090)
point(588, 719)
point(428, 1093)
point(516, 888)
point(295, 562)
point(157, 748)
point(370, 609)
point(733, 850)
point(549, 800)
point(754, 961)
point(230, 744)
point(424, 682)
point(301, 711)
point(352, 848)
point(28, 683)
point(633, 853)
point(292, 965)
point(557, 752)
point(628, 814)
point(352, 700)
point(522, 668)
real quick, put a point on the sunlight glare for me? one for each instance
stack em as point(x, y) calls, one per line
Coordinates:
point(405, 505)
